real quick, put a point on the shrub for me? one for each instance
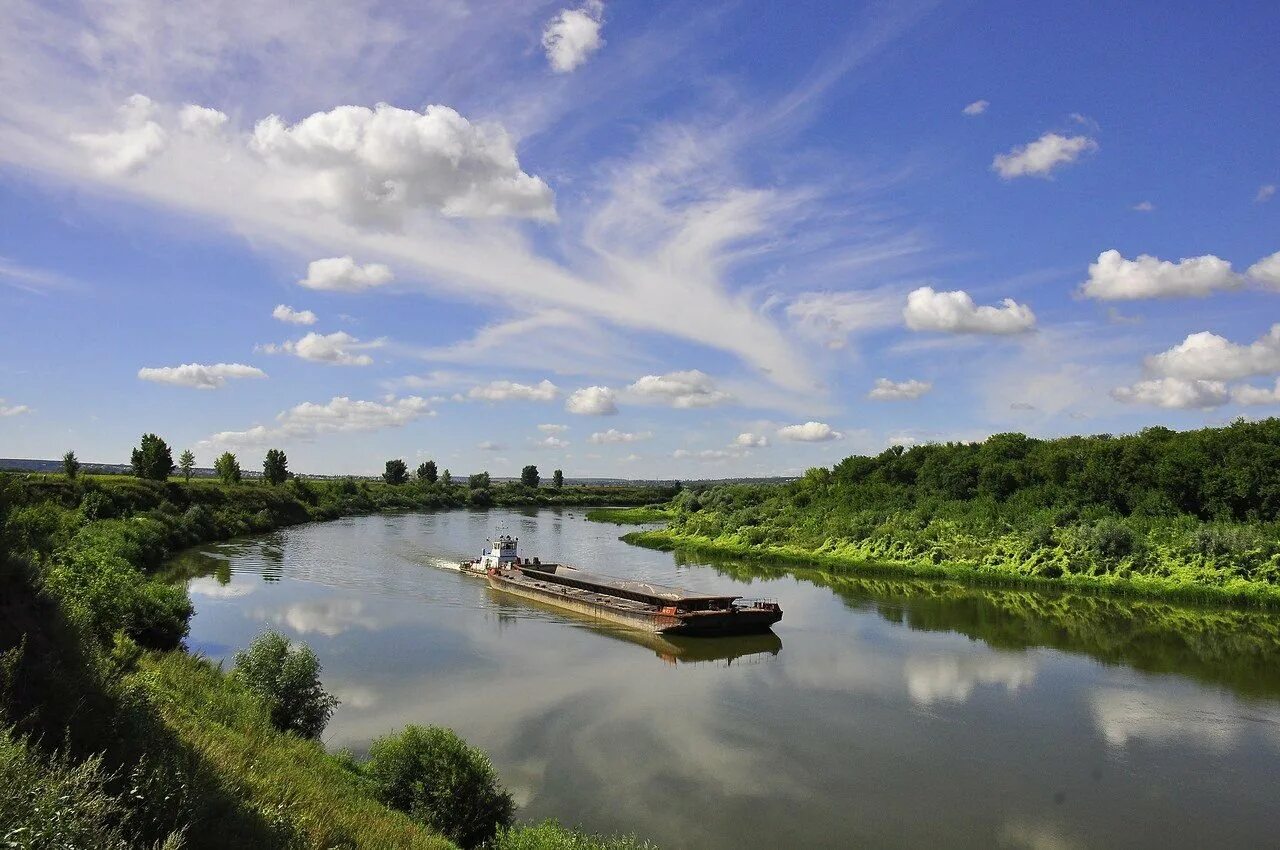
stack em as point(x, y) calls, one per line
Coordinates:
point(550, 835)
point(287, 679)
point(434, 776)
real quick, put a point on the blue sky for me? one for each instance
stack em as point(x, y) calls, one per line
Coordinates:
point(631, 239)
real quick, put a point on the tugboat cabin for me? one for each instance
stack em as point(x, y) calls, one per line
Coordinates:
point(501, 554)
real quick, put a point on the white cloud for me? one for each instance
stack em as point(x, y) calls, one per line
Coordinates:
point(378, 165)
point(976, 108)
point(572, 36)
point(1043, 155)
point(552, 442)
point(339, 348)
point(1265, 193)
point(1208, 356)
point(1113, 278)
point(1174, 393)
point(13, 409)
point(613, 435)
point(1256, 395)
point(285, 313)
point(955, 312)
point(831, 317)
point(887, 390)
point(511, 391)
point(489, 446)
point(199, 376)
point(201, 120)
point(552, 428)
point(953, 678)
point(1266, 271)
point(809, 432)
point(124, 151)
point(691, 388)
point(340, 414)
point(1144, 206)
point(592, 401)
point(748, 440)
point(342, 274)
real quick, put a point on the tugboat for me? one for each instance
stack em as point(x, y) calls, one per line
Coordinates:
point(642, 605)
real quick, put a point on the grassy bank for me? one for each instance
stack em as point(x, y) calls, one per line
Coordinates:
point(138, 744)
point(630, 516)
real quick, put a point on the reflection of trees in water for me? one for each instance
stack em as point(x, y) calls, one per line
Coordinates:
point(1233, 647)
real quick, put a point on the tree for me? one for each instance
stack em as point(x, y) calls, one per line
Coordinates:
point(427, 472)
point(186, 463)
point(446, 479)
point(228, 468)
point(275, 467)
point(437, 778)
point(397, 472)
point(557, 479)
point(287, 679)
point(70, 466)
point(152, 459)
point(529, 476)
point(479, 481)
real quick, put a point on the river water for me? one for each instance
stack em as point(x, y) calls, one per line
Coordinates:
point(882, 713)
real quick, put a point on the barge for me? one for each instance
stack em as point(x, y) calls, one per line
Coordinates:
point(642, 605)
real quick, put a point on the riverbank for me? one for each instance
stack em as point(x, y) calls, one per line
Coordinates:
point(630, 516)
point(144, 744)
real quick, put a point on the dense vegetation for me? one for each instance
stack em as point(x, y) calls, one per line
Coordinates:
point(1191, 513)
point(111, 736)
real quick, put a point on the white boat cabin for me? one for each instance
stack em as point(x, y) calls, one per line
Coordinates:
point(501, 554)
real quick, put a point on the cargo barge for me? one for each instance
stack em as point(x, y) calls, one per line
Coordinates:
point(639, 605)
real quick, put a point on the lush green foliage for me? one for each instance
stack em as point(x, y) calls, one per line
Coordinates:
point(1192, 513)
point(275, 467)
point(287, 679)
point(529, 476)
point(479, 481)
point(228, 468)
point(396, 473)
point(427, 472)
point(186, 463)
point(557, 479)
point(629, 516)
point(447, 478)
point(434, 776)
point(550, 835)
point(152, 459)
point(70, 465)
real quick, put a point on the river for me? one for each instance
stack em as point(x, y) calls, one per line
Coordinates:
point(882, 712)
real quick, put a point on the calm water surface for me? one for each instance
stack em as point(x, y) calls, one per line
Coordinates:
point(883, 713)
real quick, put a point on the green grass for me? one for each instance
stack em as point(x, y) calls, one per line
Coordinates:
point(629, 516)
point(550, 835)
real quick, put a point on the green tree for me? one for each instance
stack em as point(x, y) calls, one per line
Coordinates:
point(427, 472)
point(557, 479)
point(186, 463)
point(228, 468)
point(152, 459)
point(275, 467)
point(447, 479)
point(70, 465)
point(529, 476)
point(397, 472)
point(437, 778)
point(479, 481)
point(287, 679)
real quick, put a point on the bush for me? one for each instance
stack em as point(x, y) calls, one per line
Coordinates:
point(434, 776)
point(287, 679)
point(550, 835)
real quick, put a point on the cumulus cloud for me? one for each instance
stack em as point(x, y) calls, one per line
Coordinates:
point(13, 409)
point(887, 390)
point(831, 317)
point(613, 435)
point(128, 149)
point(748, 440)
point(552, 428)
point(511, 391)
point(343, 274)
point(285, 313)
point(1208, 356)
point(198, 375)
point(341, 414)
point(378, 165)
point(1174, 393)
point(1265, 193)
point(572, 36)
point(1113, 278)
point(1042, 156)
point(1256, 395)
point(1144, 206)
point(552, 442)
point(809, 432)
point(691, 388)
point(976, 108)
point(201, 120)
point(1266, 271)
point(955, 312)
point(592, 401)
point(489, 446)
point(339, 349)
